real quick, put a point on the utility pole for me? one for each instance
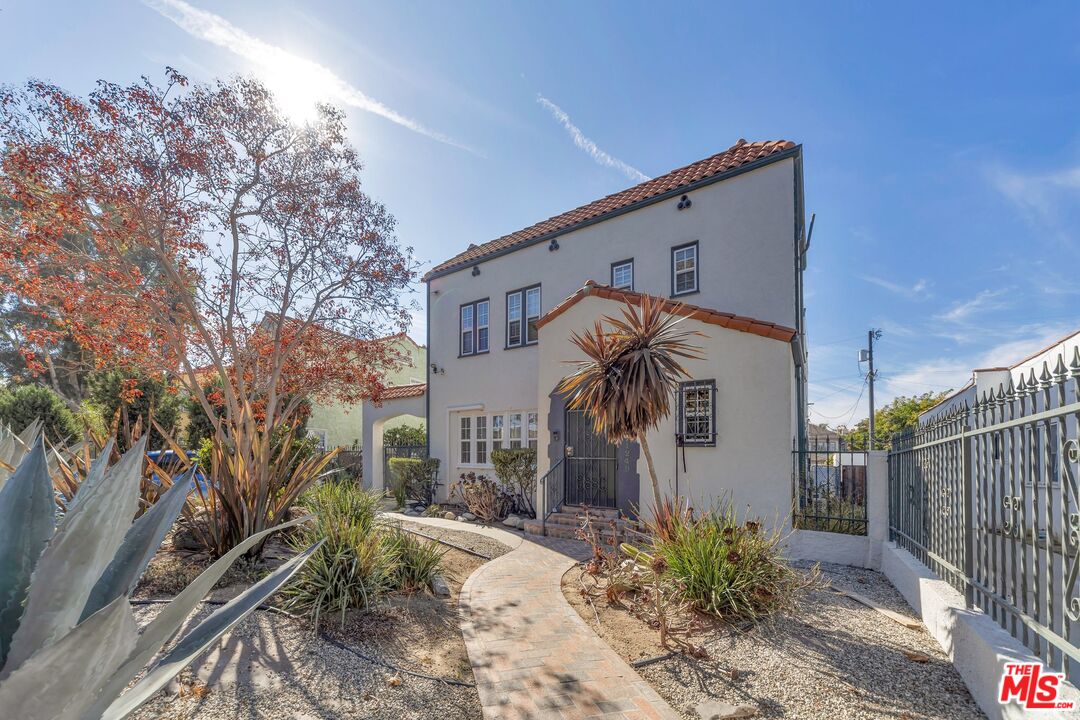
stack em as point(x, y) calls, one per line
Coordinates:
point(867, 355)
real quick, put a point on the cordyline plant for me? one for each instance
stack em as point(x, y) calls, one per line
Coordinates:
point(196, 230)
point(630, 373)
point(69, 643)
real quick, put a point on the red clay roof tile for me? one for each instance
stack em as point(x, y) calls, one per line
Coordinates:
point(705, 315)
point(741, 153)
point(398, 392)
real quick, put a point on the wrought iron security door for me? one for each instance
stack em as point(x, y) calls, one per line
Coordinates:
point(591, 463)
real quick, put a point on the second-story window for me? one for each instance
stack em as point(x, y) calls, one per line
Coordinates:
point(684, 269)
point(474, 328)
point(622, 274)
point(522, 313)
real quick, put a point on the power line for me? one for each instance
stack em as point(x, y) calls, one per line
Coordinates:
point(850, 413)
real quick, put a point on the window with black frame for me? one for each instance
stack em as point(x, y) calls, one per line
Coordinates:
point(697, 413)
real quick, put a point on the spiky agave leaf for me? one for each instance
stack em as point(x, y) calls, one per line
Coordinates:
point(84, 544)
point(27, 516)
point(203, 635)
point(167, 622)
point(13, 446)
point(60, 681)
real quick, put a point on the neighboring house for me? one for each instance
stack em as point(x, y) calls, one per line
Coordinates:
point(725, 235)
point(985, 381)
point(338, 425)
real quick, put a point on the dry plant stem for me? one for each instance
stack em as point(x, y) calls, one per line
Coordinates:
point(652, 469)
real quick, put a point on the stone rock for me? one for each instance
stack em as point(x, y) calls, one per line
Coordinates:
point(511, 521)
point(449, 516)
point(461, 518)
point(468, 516)
point(520, 524)
point(714, 710)
point(439, 586)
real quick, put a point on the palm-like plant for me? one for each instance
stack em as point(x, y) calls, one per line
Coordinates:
point(631, 372)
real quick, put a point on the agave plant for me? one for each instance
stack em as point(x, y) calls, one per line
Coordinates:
point(69, 644)
point(13, 446)
point(630, 373)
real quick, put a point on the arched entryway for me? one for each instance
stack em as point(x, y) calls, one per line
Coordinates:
point(400, 401)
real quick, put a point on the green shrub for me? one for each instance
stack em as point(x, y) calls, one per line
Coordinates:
point(24, 404)
point(405, 435)
point(353, 568)
point(516, 469)
point(724, 567)
point(416, 560)
point(412, 479)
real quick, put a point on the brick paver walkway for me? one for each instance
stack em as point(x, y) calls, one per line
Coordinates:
point(532, 654)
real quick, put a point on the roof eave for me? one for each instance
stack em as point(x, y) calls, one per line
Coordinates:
point(681, 190)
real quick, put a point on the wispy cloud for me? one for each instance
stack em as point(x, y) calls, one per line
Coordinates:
point(1037, 194)
point(983, 301)
point(590, 148)
point(919, 291)
point(297, 82)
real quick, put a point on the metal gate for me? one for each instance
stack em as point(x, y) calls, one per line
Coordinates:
point(591, 463)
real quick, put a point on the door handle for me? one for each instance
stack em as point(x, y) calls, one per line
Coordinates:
point(569, 451)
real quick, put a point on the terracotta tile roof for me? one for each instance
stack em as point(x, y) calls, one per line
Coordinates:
point(398, 392)
point(705, 315)
point(741, 153)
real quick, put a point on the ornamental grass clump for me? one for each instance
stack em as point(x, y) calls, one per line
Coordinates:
point(352, 568)
point(727, 568)
point(361, 560)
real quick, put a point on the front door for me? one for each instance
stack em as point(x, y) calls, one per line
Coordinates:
point(591, 463)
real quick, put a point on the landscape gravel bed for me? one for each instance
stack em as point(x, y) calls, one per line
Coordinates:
point(282, 671)
point(470, 540)
point(835, 659)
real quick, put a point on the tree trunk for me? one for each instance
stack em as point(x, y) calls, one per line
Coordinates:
point(652, 471)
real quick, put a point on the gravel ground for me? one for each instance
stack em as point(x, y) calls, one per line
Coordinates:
point(464, 538)
point(836, 659)
point(299, 676)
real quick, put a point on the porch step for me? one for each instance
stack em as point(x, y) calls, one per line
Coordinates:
point(595, 512)
point(567, 522)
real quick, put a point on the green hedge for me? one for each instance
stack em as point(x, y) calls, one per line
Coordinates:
point(20, 406)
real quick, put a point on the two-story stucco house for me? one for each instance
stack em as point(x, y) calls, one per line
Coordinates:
point(724, 239)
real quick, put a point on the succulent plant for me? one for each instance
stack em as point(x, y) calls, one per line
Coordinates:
point(13, 446)
point(69, 643)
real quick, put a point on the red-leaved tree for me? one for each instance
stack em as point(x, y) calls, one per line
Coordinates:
point(197, 230)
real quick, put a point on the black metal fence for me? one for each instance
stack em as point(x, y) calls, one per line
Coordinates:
point(829, 487)
point(986, 495)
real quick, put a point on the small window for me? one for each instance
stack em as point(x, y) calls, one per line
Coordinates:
point(320, 435)
point(466, 440)
point(697, 413)
point(481, 440)
point(515, 430)
point(622, 274)
point(497, 432)
point(684, 269)
point(522, 314)
point(531, 430)
point(474, 328)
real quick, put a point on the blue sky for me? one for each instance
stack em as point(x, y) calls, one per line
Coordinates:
point(941, 144)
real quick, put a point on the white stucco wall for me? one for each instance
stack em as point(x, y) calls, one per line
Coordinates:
point(754, 383)
point(745, 227)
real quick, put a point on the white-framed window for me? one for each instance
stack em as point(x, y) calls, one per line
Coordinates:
point(474, 328)
point(684, 269)
point(522, 313)
point(515, 430)
point(697, 413)
point(480, 434)
point(481, 440)
point(622, 274)
point(497, 422)
point(466, 439)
